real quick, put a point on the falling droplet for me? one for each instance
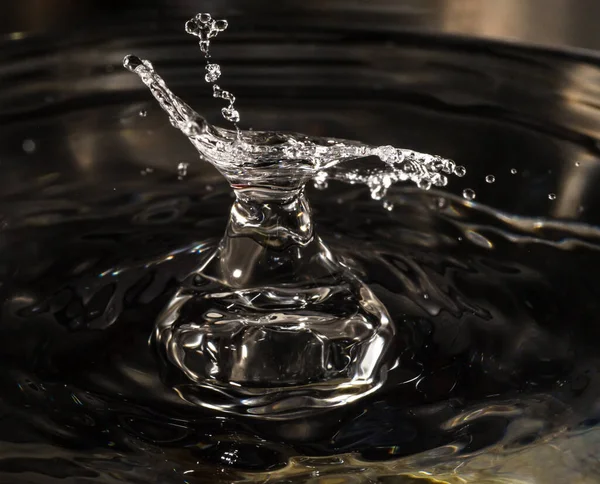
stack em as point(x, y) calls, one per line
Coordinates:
point(513, 171)
point(389, 206)
point(552, 196)
point(469, 194)
point(460, 170)
point(230, 114)
point(490, 179)
point(213, 72)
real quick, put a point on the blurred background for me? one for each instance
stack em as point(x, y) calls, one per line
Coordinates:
point(570, 23)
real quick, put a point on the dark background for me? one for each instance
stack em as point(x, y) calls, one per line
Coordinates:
point(546, 22)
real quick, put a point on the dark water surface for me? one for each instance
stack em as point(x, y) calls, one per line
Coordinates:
point(496, 308)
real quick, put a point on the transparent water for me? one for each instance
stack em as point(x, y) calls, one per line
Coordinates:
point(494, 314)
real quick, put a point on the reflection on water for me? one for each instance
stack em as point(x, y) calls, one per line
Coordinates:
point(496, 308)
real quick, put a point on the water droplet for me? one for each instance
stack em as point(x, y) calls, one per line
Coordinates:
point(578, 164)
point(221, 25)
point(425, 296)
point(424, 184)
point(213, 72)
point(230, 114)
point(513, 171)
point(552, 196)
point(460, 170)
point(490, 179)
point(389, 206)
point(221, 93)
point(469, 194)
point(182, 170)
point(29, 146)
point(320, 181)
point(143, 113)
point(203, 18)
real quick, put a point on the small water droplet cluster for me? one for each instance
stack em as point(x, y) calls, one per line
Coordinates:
point(182, 170)
point(206, 28)
point(254, 157)
point(320, 180)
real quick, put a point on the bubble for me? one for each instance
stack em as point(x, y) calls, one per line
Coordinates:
point(182, 170)
point(469, 194)
point(460, 170)
point(490, 179)
point(29, 146)
point(513, 171)
point(389, 206)
point(552, 196)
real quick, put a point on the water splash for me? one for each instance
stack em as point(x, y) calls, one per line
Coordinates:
point(272, 283)
point(277, 158)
